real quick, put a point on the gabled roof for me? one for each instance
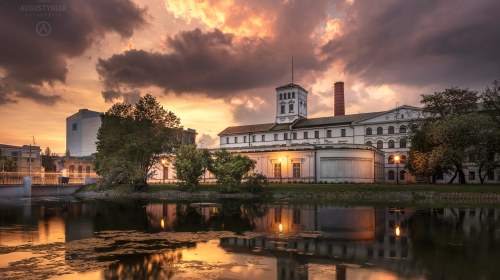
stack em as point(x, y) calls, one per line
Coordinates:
point(291, 85)
point(376, 114)
point(334, 120)
point(247, 129)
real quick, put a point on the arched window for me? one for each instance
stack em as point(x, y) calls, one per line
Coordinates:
point(402, 159)
point(402, 129)
point(80, 169)
point(391, 144)
point(369, 143)
point(369, 131)
point(390, 175)
point(71, 169)
point(391, 159)
point(402, 143)
point(414, 127)
point(87, 169)
point(380, 144)
point(402, 175)
point(380, 130)
point(390, 130)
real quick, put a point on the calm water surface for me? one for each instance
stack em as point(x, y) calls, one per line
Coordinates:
point(54, 238)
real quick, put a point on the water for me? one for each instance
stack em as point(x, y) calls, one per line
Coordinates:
point(74, 239)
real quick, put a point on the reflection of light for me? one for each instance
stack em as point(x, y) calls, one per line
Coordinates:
point(281, 227)
point(396, 158)
point(281, 159)
point(163, 161)
point(398, 231)
point(162, 223)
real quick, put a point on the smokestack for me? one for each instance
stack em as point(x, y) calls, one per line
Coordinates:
point(339, 107)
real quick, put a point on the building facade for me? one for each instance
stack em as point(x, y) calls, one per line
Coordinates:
point(362, 148)
point(28, 158)
point(81, 132)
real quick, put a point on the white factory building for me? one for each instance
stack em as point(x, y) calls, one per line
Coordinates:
point(362, 148)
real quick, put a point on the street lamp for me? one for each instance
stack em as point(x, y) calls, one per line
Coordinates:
point(396, 159)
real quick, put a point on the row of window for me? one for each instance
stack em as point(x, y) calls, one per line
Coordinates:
point(490, 176)
point(390, 130)
point(290, 109)
point(390, 144)
point(80, 169)
point(295, 170)
point(391, 175)
point(287, 95)
point(286, 136)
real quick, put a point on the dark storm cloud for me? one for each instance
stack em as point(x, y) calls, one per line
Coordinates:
point(420, 43)
point(29, 60)
point(220, 64)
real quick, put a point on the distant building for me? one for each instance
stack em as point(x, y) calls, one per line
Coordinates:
point(81, 132)
point(27, 157)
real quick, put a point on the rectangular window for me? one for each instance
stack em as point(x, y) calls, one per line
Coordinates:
point(296, 170)
point(305, 135)
point(277, 170)
point(253, 138)
point(227, 140)
point(491, 175)
point(293, 94)
point(275, 137)
point(342, 132)
point(263, 138)
point(285, 136)
point(294, 135)
point(75, 126)
point(290, 108)
point(296, 217)
point(165, 173)
point(14, 154)
point(235, 139)
point(472, 175)
point(244, 139)
point(328, 133)
point(316, 134)
point(282, 109)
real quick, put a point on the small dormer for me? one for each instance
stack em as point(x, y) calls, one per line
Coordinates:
point(291, 103)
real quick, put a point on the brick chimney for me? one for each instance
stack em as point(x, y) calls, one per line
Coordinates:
point(339, 107)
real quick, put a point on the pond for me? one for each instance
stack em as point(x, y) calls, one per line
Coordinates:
point(70, 238)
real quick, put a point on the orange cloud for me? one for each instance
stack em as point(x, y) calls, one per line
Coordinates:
point(227, 15)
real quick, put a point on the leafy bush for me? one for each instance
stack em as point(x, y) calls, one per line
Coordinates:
point(255, 183)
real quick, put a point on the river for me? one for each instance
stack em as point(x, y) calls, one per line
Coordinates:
point(71, 238)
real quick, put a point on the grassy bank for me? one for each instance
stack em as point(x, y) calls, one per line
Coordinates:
point(353, 193)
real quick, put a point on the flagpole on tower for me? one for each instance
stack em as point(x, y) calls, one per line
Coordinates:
point(292, 69)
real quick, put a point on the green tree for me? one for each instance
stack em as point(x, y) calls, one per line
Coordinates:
point(190, 163)
point(491, 99)
point(229, 169)
point(132, 139)
point(451, 101)
point(48, 159)
point(7, 164)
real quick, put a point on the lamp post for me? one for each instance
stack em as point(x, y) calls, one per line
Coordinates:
point(396, 159)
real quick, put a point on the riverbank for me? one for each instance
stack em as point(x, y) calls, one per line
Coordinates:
point(358, 193)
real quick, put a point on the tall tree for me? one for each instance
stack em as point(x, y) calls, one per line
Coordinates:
point(451, 101)
point(491, 100)
point(132, 139)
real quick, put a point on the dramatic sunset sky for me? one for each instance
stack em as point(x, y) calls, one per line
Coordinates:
point(216, 63)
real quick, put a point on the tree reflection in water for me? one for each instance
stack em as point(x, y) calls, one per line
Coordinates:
point(156, 266)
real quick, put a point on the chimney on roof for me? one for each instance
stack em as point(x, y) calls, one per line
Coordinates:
point(339, 107)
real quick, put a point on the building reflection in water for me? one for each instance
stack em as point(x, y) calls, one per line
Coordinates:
point(302, 239)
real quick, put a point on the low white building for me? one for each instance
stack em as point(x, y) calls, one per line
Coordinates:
point(362, 148)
